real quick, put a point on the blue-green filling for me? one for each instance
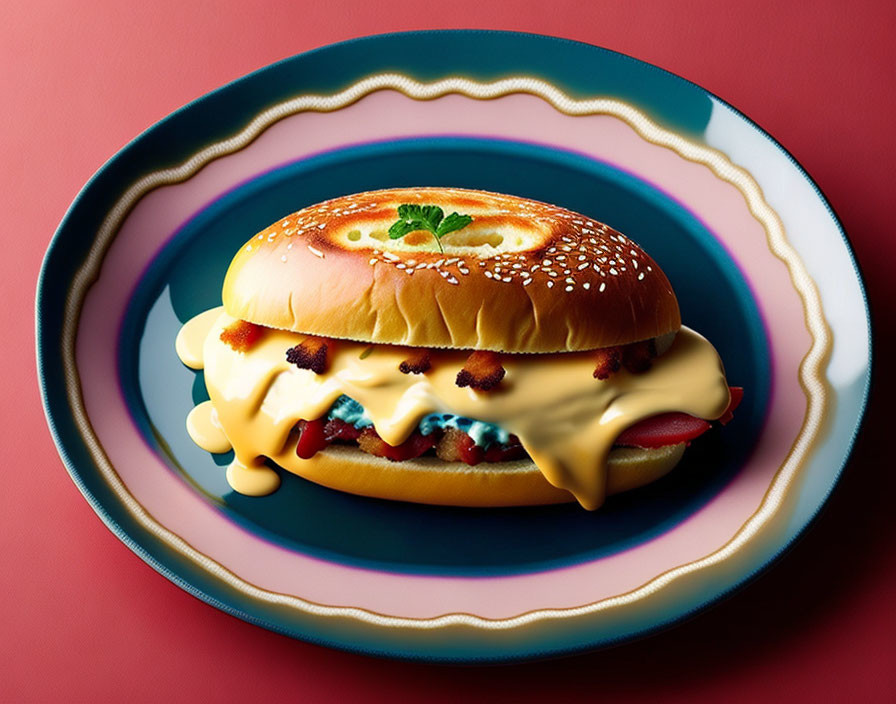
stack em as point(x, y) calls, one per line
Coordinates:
point(484, 434)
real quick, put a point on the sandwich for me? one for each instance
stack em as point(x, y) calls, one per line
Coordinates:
point(450, 346)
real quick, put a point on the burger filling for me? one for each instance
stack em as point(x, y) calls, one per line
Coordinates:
point(457, 439)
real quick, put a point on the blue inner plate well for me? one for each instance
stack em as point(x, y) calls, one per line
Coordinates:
point(186, 277)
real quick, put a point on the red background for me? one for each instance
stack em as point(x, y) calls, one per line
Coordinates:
point(82, 618)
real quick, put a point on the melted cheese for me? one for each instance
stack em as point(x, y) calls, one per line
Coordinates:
point(565, 419)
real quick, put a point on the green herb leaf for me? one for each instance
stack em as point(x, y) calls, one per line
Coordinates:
point(429, 218)
point(451, 223)
point(401, 228)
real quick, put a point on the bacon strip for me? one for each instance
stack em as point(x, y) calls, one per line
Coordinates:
point(607, 361)
point(370, 442)
point(310, 353)
point(418, 362)
point(637, 357)
point(241, 335)
point(482, 371)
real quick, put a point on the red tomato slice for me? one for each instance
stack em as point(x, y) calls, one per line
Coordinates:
point(369, 441)
point(311, 438)
point(336, 429)
point(674, 428)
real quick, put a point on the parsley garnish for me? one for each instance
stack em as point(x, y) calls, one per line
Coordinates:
point(430, 218)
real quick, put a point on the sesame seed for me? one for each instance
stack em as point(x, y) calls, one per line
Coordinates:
point(583, 265)
point(526, 282)
point(399, 266)
point(569, 288)
point(550, 284)
point(463, 270)
point(586, 285)
point(411, 262)
point(635, 263)
point(488, 274)
point(248, 247)
point(372, 261)
point(391, 257)
point(614, 272)
point(506, 279)
point(546, 262)
point(321, 226)
point(315, 252)
point(451, 280)
point(261, 237)
point(283, 258)
point(603, 286)
point(641, 276)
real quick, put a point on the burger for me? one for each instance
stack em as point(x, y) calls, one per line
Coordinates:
point(450, 346)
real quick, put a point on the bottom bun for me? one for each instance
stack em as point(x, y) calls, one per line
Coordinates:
point(429, 480)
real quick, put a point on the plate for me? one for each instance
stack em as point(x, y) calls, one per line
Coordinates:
point(756, 256)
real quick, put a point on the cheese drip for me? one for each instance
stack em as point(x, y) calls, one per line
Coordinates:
point(565, 419)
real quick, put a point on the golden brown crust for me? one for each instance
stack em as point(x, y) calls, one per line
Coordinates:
point(524, 276)
point(417, 362)
point(482, 371)
point(241, 336)
point(310, 353)
point(433, 481)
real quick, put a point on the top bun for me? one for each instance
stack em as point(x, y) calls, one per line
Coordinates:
point(524, 276)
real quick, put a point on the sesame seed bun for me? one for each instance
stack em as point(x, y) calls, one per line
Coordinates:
point(430, 480)
point(524, 276)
